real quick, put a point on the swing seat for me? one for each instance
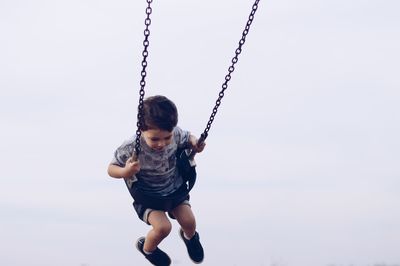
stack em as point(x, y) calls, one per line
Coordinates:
point(187, 169)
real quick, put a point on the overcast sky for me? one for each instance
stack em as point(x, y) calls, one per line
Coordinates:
point(302, 162)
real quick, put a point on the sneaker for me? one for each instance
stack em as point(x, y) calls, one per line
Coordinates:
point(194, 247)
point(158, 257)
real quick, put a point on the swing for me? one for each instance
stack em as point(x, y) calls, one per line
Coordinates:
point(185, 158)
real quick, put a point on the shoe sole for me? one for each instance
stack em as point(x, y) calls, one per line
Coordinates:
point(137, 245)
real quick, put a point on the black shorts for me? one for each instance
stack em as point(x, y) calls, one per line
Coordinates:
point(143, 211)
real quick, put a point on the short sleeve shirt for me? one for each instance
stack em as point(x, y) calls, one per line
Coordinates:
point(158, 173)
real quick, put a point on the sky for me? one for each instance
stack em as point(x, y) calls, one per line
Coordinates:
point(301, 166)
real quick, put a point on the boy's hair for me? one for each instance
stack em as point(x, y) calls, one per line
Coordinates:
point(159, 113)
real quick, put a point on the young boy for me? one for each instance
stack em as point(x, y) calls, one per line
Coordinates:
point(156, 173)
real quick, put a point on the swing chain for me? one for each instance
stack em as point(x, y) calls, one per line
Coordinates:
point(224, 85)
point(230, 70)
point(143, 74)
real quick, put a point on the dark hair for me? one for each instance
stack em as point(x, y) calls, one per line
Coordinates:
point(159, 113)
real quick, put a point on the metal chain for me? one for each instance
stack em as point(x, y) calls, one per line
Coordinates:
point(224, 85)
point(230, 70)
point(143, 74)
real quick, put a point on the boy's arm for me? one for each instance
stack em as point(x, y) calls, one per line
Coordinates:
point(195, 145)
point(130, 169)
point(123, 165)
point(186, 140)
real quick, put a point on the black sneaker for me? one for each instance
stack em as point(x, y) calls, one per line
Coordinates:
point(194, 247)
point(158, 257)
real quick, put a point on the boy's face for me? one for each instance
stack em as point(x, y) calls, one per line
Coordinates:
point(157, 139)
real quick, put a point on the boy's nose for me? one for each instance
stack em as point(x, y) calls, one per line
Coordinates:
point(161, 144)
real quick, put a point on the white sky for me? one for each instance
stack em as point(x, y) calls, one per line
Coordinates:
point(302, 162)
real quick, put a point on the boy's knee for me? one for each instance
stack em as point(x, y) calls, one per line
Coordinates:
point(163, 230)
point(188, 221)
point(190, 226)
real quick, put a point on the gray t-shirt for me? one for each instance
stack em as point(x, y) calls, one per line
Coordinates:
point(158, 173)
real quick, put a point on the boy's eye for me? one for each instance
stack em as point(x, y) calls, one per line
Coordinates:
point(156, 139)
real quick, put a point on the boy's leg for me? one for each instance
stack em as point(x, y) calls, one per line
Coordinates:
point(161, 229)
point(148, 246)
point(185, 217)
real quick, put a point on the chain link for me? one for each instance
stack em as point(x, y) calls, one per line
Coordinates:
point(143, 74)
point(235, 59)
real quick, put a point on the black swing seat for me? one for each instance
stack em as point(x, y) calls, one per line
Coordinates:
point(187, 169)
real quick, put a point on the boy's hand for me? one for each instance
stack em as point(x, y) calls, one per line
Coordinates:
point(131, 168)
point(197, 147)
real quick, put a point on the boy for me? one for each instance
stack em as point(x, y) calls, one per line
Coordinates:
point(156, 173)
